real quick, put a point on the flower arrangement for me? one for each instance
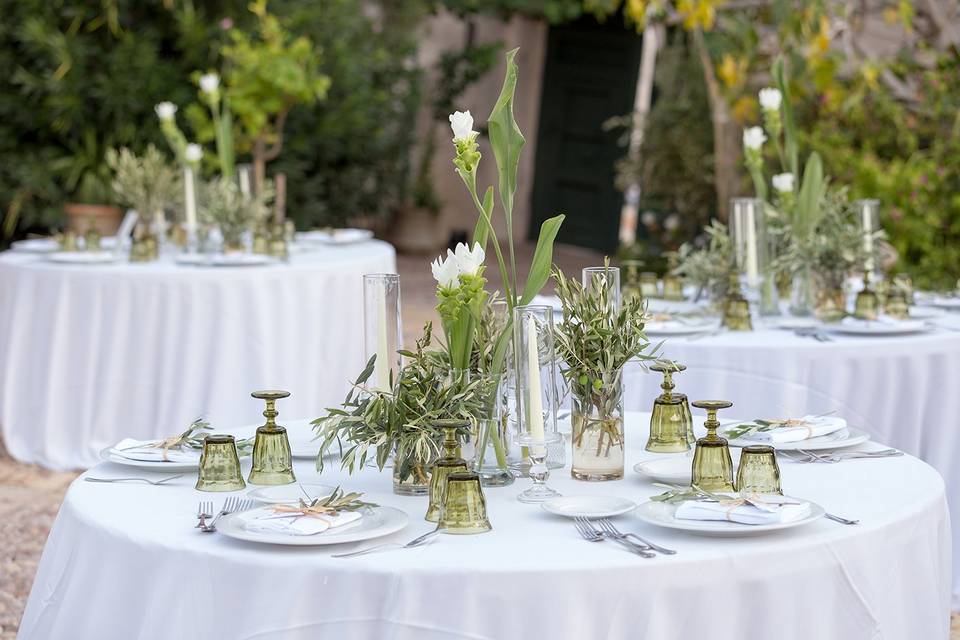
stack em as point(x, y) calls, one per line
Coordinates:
point(707, 267)
point(146, 183)
point(461, 299)
point(223, 204)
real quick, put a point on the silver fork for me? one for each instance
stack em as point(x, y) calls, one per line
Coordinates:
point(231, 505)
point(416, 542)
point(204, 511)
point(606, 525)
point(586, 531)
point(148, 481)
point(587, 525)
point(839, 519)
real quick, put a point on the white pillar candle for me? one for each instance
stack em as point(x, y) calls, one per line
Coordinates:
point(866, 213)
point(535, 400)
point(752, 266)
point(382, 364)
point(189, 200)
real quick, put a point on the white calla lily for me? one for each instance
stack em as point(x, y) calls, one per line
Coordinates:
point(209, 82)
point(753, 138)
point(771, 99)
point(445, 270)
point(193, 153)
point(165, 110)
point(783, 182)
point(469, 261)
point(462, 124)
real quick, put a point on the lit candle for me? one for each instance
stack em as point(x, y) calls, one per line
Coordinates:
point(383, 360)
point(189, 200)
point(535, 402)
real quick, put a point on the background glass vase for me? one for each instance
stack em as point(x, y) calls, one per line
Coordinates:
point(803, 293)
point(597, 429)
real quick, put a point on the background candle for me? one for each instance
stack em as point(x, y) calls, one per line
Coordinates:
point(533, 382)
point(189, 200)
point(383, 358)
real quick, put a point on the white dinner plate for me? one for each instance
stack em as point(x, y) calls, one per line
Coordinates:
point(661, 514)
point(926, 313)
point(671, 468)
point(588, 506)
point(36, 245)
point(379, 521)
point(335, 236)
point(82, 257)
point(678, 327)
point(110, 455)
point(792, 324)
point(900, 328)
point(942, 302)
point(846, 437)
point(291, 493)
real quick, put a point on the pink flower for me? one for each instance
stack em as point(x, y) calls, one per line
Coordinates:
point(896, 214)
point(226, 23)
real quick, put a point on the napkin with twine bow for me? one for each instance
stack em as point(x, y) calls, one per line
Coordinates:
point(751, 510)
point(336, 511)
point(778, 431)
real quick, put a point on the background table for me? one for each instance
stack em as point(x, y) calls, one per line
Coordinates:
point(124, 561)
point(905, 391)
point(92, 354)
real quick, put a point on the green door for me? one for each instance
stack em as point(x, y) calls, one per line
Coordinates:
point(589, 76)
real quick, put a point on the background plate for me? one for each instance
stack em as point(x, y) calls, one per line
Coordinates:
point(660, 514)
point(381, 522)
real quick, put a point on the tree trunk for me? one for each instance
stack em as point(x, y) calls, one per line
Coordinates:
point(259, 165)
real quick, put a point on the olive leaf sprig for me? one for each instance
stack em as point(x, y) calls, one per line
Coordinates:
point(337, 502)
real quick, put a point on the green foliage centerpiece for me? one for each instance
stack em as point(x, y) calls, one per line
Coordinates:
point(596, 340)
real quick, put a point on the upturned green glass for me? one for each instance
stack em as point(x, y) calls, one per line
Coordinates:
point(219, 465)
point(712, 465)
point(736, 309)
point(758, 471)
point(630, 286)
point(91, 239)
point(261, 241)
point(464, 507)
point(272, 461)
point(670, 422)
point(278, 244)
point(451, 462)
point(867, 305)
point(68, 241)
point(672, 287)
point(896, 305)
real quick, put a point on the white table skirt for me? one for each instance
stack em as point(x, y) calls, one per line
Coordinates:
point(91, 354)
point(124, 561)
point(905, 391)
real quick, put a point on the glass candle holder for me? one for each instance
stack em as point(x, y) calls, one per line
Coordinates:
point(758, 471)
point(867, 305)
point(671, 421)
point(272, 461)
point(606, 280)
point(382, 327)
point(649, 285)
point(712, 465)
point(736, 309)
point(451, 462)
point(464, 507)
point(535, 366)
point(747, 232)
point(219, 465)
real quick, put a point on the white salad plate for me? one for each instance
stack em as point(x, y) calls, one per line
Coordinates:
point(112, 455)
point(291, 493)
point(845, 437)
point(588, 506)
point(82, 257)
point(903, 327)
point(661, 514)
point(377, 522)
point(671, 468)
point(335, 236)
point(36, 245)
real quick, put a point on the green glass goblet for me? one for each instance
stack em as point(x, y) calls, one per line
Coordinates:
point(867, 305)
point(670, 421)
point(272, 460)
point(219, 465)
point(451, 462)
point(712, 464)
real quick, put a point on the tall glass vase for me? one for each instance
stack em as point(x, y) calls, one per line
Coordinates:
point(382, 327)
point(803, 294)
point(411, 474)
point(597, 437)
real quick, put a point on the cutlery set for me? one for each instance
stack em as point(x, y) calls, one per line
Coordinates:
point(804, 456)
point(603, 529)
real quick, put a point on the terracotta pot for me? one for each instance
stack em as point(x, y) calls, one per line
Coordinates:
point(105, 218)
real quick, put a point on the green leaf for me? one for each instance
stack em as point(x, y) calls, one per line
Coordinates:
point(811, 195)
point(542, 259)
point(482, 231)
point(505, 137)
point(789, 123)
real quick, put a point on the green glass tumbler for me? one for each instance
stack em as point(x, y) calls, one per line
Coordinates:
point(272, 460)
point(450, 463)
point(896, 305)
point(464, 507)
point(219, 465)
point(712, 464)
point(670, 422)
point(672, 287)
point(758, 471)
point(867, 304)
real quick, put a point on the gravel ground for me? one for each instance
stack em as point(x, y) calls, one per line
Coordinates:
point(30, 496)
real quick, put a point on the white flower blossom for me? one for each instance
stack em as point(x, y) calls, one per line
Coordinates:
point(783, 182)
point(649, 218)
point(462, 124)
point(209, 82)
point(165, 110)
point(770, 99)
point(193, 153)
point(445, 271)
point(468, 262)
point(753, 138)
point(672, 222)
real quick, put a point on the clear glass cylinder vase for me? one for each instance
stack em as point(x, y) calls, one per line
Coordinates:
point(803, 294)
point(597, 428)
point(382, 327)
point(411, 475)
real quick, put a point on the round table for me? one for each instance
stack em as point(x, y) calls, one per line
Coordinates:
point(92, 354)
point(904, 391)
point(124, 561)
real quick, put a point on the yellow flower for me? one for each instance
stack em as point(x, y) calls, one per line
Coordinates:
point(698, 13)
point(744, 109)
point(732, 72)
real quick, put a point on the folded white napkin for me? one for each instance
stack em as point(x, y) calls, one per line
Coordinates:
point(743, 513)
point(266, 521)
point(814, 427)
point(882, 319)
point(141, 450)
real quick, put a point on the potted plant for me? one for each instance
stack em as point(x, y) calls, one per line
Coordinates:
point(88, 177)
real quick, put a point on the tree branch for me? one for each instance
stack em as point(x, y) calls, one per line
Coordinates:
point(274, 150)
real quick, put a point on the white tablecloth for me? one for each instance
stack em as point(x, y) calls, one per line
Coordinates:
point(905, 391)
point(91, 354)
point(123, 561)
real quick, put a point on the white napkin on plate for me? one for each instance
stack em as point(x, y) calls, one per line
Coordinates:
point(771, 513)
point(815, 427)
point(882, 319)
point(141, 450)
point(267, 521)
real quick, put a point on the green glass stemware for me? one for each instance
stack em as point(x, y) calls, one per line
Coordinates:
point(712, 464)
point(451, 462)
point(272, 460)
point(670, 421)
